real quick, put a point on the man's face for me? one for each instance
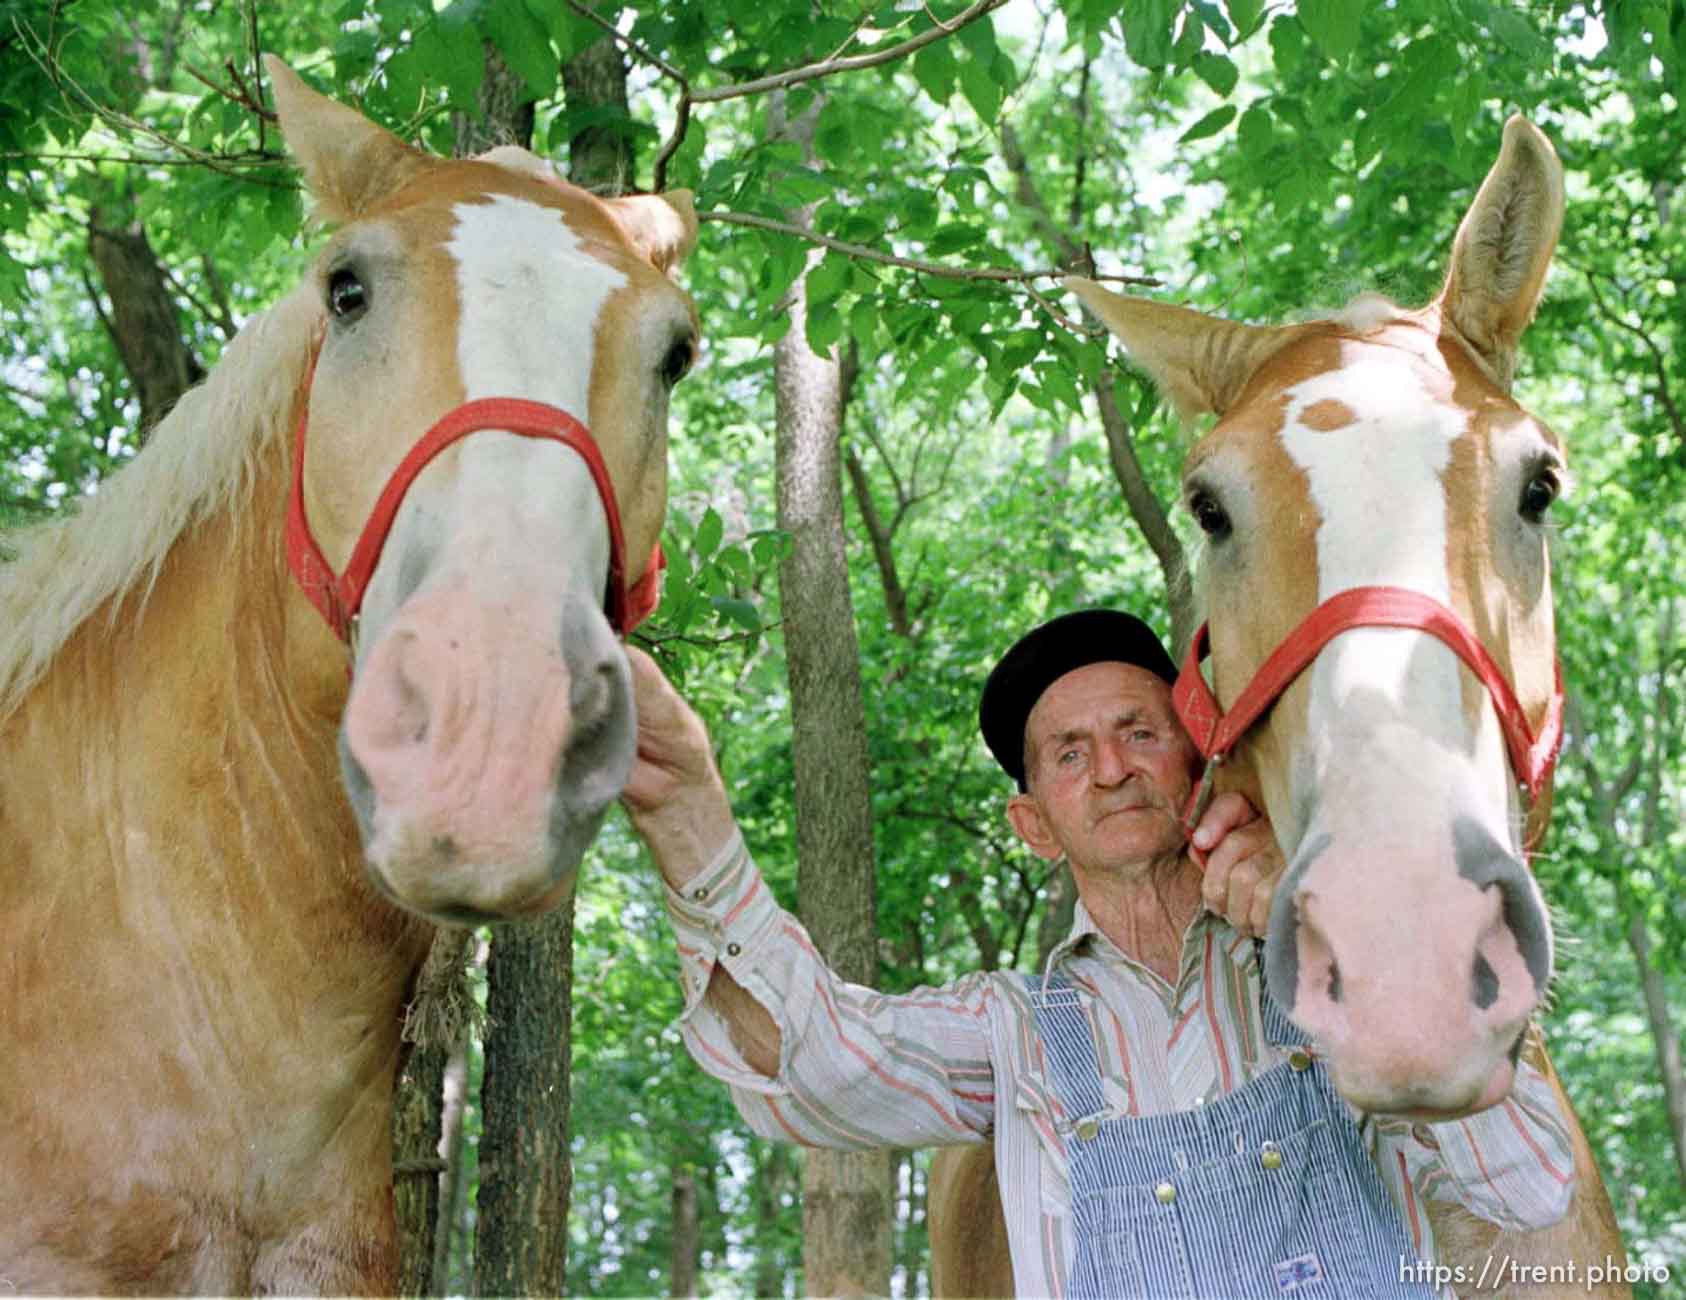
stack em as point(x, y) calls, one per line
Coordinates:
point(1109, 769)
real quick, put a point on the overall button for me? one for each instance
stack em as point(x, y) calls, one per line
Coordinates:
point(1270, 1156)
point(1299, 1059)
point(732, 949)
point(1166, 1192)
point(1087, 1128)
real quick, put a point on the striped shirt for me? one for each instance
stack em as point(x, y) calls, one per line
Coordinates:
point(963, 1063)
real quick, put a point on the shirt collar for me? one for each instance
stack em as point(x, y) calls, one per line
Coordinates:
point(1086, 934)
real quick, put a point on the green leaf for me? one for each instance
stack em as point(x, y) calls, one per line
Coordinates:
point(935, 69)
point(982, 91)
point(825, 327)
point(827, 278)
point(709, 531)
point(952, 238)
point(1211, 124)
point(1149, 26)
point(449, 51)
point(741, 612)
point(1216, 71)
point(1287, 47)
point(1333, 24)
point(1245, 14)
point(525, 45)
point(1189, 40)
point(1254, 132)
point(1517, 34)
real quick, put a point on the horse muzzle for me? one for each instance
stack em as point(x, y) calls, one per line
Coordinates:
point(1413, 949)
point(481, 745)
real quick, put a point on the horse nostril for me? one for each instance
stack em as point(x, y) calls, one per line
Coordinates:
point(592, 695)
point(1485, 983)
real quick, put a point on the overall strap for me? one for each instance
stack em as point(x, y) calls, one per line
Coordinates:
point(1068, 1044)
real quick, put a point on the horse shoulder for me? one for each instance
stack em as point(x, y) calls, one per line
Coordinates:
point(1587, 1237)
point(968, 1226)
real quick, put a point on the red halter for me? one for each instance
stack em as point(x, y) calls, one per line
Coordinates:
point(1215, 733)
point(340, 597)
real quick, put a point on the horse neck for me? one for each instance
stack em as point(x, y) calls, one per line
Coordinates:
point(200, 715)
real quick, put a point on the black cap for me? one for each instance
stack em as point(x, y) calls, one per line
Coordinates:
point(1047, 653)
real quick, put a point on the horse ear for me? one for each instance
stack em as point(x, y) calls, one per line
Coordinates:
point(663, 227)
point(1200, 362)
point(1504, 246)
point(349, 163)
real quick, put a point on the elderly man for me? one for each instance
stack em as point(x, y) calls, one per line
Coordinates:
point(1160, 1127)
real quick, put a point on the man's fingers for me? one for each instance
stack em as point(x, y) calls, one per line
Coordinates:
point(1226, 812)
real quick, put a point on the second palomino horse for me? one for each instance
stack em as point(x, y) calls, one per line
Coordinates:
point(1384, 683)
point(222, 836)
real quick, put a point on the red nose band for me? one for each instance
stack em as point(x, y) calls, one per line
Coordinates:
point(340, 596)
point(1215, 733)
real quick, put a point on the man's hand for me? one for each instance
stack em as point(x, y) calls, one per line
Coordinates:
point(674, 795)
point(1242, 862)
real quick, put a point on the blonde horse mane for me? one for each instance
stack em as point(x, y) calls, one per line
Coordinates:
point(200, 460)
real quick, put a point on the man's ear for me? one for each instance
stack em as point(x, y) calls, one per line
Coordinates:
point(1032, 827)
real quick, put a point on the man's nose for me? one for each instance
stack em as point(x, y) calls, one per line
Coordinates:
point(1112, 762)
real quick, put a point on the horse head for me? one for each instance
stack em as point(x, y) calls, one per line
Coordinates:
point(480, 474)
point(1377, 458)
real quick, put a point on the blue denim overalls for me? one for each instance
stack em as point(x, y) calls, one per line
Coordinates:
point(1266, 1192)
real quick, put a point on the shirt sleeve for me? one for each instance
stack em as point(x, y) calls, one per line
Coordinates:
point(1512, 1164)
point(857, 1068)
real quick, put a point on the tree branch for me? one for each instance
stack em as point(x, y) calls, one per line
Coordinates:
point(1147, 511)
point(1144, 506)
point(992, 274)
point(895, 598)
point(777, 81)
point(1659, 362)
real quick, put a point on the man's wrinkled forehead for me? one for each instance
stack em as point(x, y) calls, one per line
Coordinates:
point(1103, 694)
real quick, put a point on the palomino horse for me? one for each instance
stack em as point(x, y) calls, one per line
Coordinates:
point(204, 964)
point(1376, 576)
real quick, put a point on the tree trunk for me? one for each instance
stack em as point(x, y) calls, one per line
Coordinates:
point(685, 1236)
point(144, 322)
point(521, 1244)
point(506, 111)
point(600, 156)
point(1663, 1036)
point(452, 1181)
point(417, 1117)
point(846, 1195)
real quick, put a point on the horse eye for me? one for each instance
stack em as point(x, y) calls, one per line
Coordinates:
point(1209, 515)
point(676, 362)
point(346, 295)
point(1538, 494)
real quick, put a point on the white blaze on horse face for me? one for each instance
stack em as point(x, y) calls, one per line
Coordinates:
point(530, 297)
point(1377, 484)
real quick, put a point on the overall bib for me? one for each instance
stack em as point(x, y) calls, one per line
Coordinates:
point(1266, 1192)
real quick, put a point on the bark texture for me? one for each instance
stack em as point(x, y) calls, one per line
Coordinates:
point(144, 322)
point(521, 1244)
point(417, 1118)
point(846, 1195)
point(600, 153)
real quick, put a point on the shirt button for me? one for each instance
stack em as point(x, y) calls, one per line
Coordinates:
point(732, 950)
point(1270, 1156)
point(1087, 1128)
point(1299, 1059)
point(1166, 1192)
point(699, 894)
